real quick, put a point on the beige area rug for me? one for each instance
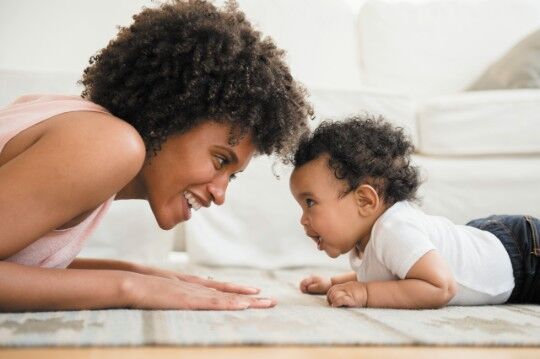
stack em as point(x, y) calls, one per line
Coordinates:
point(297, 320)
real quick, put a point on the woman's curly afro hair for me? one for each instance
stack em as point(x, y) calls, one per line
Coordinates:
point(186, 62)
point(364, 150)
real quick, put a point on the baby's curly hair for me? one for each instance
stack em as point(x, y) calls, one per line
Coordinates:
point(364, 150)
point(186, 62)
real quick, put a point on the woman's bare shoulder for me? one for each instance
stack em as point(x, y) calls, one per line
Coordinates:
point(97, 144)
point(101, 127)
point(96, 134)
point(78, 161)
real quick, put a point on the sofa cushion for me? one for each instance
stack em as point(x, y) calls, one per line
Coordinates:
point(464, 188)
point(438, 47)
point(480, 123)
point(518, 68)
point(337, 105)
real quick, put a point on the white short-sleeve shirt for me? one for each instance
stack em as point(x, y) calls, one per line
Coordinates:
point(403, 233)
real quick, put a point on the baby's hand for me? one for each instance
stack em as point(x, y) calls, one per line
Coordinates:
point(349, 294)
point(315, 285)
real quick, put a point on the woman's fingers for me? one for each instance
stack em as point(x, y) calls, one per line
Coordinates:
point(230, 287)
point(195, 293)
point(229, 296)
point(221, 301)
point(221, 286)
point(224, 303)
point(262, 303)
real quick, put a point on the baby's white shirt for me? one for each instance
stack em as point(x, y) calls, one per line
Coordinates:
point(403, 233)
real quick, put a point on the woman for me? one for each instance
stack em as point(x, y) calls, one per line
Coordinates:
point(173, 108)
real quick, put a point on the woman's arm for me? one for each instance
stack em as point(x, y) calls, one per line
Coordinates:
point(24, 288)
point(428, 284)
point(92, 263)
point(88, 263)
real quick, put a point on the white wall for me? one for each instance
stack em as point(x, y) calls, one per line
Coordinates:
point(59, 35)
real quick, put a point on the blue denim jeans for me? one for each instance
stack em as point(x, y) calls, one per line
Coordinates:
point(520, 237)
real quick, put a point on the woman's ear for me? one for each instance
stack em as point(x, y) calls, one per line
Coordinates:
point(367, 200)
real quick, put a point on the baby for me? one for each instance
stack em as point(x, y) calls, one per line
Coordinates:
point(356, 186)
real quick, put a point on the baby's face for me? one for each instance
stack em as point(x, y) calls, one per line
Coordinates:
point(330, 220)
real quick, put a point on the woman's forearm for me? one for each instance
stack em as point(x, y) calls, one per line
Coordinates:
point(92, 263)
point(24, 288)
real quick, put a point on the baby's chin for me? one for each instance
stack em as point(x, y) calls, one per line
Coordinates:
point(333, 253)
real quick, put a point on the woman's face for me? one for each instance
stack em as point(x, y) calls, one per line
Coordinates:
point(192, 170)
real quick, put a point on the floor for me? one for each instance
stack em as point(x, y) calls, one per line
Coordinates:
point(273, 353)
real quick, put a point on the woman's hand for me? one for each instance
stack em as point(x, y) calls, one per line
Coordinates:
point(315, 285)
point(90, 263)
point(209, 282)
point(157, 292)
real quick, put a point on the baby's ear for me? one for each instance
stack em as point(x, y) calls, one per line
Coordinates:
point(367, 199)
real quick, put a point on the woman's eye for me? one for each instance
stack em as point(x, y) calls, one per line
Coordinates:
point(221, 162)
point(309, 202)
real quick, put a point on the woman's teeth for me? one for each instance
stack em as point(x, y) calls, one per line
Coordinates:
point(193, 203)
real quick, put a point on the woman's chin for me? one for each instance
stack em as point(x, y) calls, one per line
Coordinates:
point(166, 225)
point(167, 222)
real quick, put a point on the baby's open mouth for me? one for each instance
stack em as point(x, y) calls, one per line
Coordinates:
point(318, 241)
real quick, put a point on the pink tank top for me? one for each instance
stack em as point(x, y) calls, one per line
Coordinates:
point(58, 248)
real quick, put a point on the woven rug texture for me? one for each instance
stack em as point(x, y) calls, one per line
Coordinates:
point(298, 319)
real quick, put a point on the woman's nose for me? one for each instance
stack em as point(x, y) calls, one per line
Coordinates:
point(217, 189)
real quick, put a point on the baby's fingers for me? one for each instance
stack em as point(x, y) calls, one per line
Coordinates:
point(305, 283)
point(340, 299)
point(315, 288)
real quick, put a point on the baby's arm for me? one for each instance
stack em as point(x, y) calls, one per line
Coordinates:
point(319, 285)
point(343, 278)
point(428, 284)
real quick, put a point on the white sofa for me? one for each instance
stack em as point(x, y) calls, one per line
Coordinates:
point(409, 60)
point(413, 60)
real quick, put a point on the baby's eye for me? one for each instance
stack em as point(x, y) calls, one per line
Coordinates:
point(232, 177)
point(309, 202)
